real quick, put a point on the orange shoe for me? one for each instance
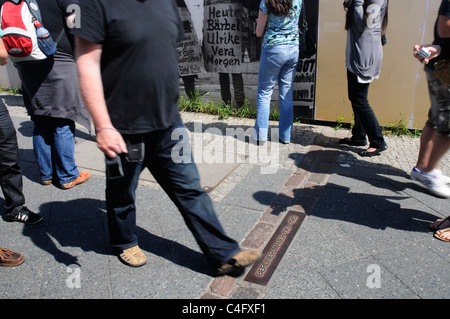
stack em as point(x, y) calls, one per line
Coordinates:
point(47, 182)
point(9, 258)
point(84, 176)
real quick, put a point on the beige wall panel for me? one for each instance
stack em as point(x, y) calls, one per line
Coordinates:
point(401, 92)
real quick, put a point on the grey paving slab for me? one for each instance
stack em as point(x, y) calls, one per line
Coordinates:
point(257, 190)
point(87, 278)
point(235, 221)
point(420, 268)
point(320, 244)
point(308, 284)
point(353, 280)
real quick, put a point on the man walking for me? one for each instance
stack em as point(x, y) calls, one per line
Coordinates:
point(128, 68)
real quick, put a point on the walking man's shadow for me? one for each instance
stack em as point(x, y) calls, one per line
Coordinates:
point(82, 223)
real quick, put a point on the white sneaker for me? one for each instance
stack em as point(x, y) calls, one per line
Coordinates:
point(417, 176)
point(433, 181)
point(445, 179)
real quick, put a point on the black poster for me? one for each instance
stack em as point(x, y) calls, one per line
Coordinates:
point(305, 78)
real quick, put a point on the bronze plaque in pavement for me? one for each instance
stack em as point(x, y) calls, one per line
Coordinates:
point(262, 271)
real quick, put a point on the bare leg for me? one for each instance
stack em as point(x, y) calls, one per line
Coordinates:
point(426, 145)
point(441, 144)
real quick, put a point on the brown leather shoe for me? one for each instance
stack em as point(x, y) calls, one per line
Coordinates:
point(9, 258)
point(84, 176)
point(242, 259)
point(133, 257)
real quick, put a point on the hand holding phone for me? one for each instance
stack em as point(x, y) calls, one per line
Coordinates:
point(426, 52)
point(423, 53)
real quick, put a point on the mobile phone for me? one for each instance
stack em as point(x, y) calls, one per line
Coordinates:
point(135, 147)
point(113, 167)
point(423, 53)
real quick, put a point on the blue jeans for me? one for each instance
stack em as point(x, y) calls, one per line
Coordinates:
point(180, 181)
point(54, 148)
point(277, 64)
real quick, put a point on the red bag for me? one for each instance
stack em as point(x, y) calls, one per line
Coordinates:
point(19, 31)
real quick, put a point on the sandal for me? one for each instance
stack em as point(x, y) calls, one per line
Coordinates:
point(439, 234)
point(133, 257)
point(438, 224)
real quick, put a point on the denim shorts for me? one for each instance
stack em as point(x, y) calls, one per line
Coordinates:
point(439, 113)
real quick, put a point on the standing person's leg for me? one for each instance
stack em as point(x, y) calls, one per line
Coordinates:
point(437, 125)
point(238, 86)
point(225, 93)
point(267, 78)
point(64, 150)
point(11, 175)
point(431, 175)
point(286, 88)
point(189, 86)
point(369, 121)
point(64, 154)
point(181, 182)
point(358, 134)
point(435, 141)
point(426, 145)
point(42, 147)
point(429, 130)
point(441, 145)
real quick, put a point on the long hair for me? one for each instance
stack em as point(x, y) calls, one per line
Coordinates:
point(348, 7)
point(280, 7)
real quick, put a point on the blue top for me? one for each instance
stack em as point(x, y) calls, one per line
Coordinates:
point(281, 30)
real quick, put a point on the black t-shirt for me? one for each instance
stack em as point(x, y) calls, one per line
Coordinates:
point(139, 62)
point(444, 10)
point(53, 14)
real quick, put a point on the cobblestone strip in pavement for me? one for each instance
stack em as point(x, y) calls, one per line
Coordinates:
point(298, 196)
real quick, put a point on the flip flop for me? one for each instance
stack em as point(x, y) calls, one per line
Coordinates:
point(442, 231)
point(437, 224)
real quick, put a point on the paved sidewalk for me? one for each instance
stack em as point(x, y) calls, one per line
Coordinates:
point(331, 224)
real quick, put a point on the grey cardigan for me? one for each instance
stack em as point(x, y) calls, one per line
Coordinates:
point(364, 52)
